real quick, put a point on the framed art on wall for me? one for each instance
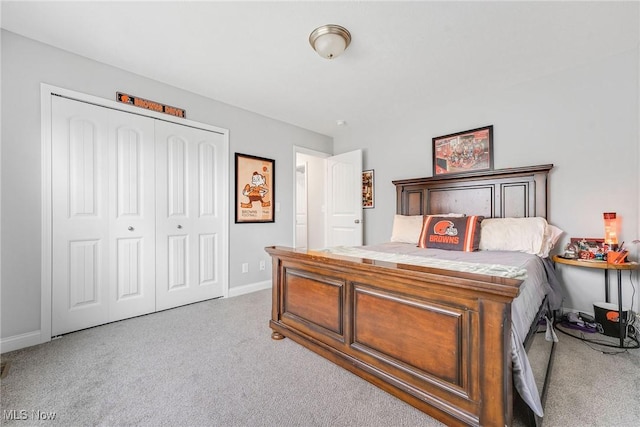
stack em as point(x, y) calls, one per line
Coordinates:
point(254, 189)
point(588, 247)
point(463, 152)
point(367, 189)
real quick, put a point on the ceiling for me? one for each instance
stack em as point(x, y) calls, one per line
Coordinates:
point(404, 56)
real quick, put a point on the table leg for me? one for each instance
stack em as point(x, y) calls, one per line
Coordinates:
point(621, 322)
point(606, 285)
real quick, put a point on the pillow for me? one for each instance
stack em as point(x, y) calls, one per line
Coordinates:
point(531, 235)
point(451, 233)
point(551, 236)
point(406, 228)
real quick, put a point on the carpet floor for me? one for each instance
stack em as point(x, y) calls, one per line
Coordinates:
point(215, 364)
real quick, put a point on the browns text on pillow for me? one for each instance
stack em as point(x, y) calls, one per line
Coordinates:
point(451, 233)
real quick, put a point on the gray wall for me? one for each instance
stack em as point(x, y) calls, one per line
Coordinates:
point(26, 64)
point(584, 120)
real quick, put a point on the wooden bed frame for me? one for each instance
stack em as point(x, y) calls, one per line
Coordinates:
point(437, 339)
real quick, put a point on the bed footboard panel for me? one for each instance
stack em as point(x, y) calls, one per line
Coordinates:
point(420, 338)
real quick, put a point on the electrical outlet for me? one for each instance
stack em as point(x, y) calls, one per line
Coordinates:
point(262, 265)
point(245, 267)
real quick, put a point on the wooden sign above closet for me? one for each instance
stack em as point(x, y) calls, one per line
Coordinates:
point(150, 105)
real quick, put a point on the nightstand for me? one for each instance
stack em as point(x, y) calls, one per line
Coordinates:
point(606, 267)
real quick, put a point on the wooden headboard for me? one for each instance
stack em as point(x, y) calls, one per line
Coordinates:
point(514, 192)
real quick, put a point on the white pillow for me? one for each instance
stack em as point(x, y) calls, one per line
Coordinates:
point(515, 234)
point(551, 236)
point(406, 228)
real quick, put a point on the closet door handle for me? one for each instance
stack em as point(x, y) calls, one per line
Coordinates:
point(179, 226)
point(130, 228)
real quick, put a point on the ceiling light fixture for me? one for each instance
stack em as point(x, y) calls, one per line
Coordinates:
point(330, 40)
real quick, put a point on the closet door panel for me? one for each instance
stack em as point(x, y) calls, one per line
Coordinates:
point(132, 215)
point(80, 224)
point(188, 176)
point(209, 226)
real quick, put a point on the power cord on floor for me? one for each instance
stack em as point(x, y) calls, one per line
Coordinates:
point(588, 341)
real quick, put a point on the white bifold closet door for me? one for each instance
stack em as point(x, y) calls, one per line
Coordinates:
point(188, 218)
point(103, 215)
point(135, 215)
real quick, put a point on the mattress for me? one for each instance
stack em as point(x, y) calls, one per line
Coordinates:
point(538, 278)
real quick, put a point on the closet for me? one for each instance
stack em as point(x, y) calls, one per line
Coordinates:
point(137, 214)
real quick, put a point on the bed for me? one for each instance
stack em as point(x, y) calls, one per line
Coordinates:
point(440, 339)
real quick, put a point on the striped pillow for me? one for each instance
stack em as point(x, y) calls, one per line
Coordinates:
point(454, 234)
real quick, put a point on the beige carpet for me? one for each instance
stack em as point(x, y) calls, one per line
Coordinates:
point(214, 364)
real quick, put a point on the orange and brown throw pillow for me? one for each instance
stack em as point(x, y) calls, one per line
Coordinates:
point(454, 234)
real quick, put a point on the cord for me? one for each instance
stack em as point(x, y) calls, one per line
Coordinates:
point(599, 342)
point(631, 327)
point(632, 321)
point(586, 342)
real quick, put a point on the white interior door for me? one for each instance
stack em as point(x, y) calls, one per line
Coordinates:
point(344, 199)
point(189, 218)
point(132, 215)
point(103, 198)
point(80, 221)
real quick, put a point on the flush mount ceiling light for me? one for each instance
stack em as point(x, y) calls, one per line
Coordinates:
point(330, 40)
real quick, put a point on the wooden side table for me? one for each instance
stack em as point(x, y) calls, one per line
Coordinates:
point(606, 267)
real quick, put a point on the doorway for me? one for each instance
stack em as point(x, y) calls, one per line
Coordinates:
point(310, 196)
point(327, 199)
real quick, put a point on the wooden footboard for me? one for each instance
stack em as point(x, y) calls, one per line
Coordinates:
point(437, 339)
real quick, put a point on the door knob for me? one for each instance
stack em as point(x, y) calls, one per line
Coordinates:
point(130, 228)
point(179, 226)
point(357, 221)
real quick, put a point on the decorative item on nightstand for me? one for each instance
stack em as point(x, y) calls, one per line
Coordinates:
point(616, 254)
point(610, 230)
point(607, 317)
point(617, 257)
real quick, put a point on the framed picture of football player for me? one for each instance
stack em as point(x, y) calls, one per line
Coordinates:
point(255, 189)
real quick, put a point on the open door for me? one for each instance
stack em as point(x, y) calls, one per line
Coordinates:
point(344, 199)
point(301, 207)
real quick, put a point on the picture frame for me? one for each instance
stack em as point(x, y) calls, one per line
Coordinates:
point(463, 152)
point(254, 189)
point(589, 248)
point(368, 189)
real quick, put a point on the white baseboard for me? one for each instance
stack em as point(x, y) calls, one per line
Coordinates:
point(17, 342)
point(247, 289)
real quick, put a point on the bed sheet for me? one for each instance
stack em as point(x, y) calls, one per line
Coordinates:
point(538, 281)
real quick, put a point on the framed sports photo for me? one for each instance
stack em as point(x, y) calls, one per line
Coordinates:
point(463, 152)
point(368, 189)
point(254, 189)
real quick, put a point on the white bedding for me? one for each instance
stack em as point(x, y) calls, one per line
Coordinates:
point(529, 268)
